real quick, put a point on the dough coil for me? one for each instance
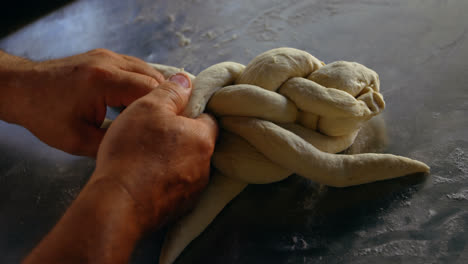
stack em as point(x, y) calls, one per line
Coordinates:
point(284, 113)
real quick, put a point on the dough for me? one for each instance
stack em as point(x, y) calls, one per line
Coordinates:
point(168, 71)
point(185, 230)
point(286, 112)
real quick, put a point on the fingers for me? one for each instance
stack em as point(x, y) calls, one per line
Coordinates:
point(128, 87)
point(124, 78)
point(124, 62)
point(139, 66)
point(173, 95)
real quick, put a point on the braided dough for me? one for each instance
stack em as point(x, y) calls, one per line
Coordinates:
point(285, 112)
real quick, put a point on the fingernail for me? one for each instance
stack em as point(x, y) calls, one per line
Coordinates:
point(181, 79)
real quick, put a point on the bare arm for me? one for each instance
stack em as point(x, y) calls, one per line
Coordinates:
point(13, 71)
point(102, 226)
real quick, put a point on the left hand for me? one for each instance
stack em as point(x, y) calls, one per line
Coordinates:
point(64, 101)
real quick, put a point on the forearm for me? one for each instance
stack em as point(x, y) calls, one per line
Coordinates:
point(102, 226)
point(14, 74)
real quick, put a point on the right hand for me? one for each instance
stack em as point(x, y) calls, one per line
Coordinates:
point(162, 159)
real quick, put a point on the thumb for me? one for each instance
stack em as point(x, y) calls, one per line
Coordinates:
point(173, 94)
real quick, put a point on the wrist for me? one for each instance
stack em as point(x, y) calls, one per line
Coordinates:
point(152, 201)
point(101, 226)
point(119, 201)
point(15, 82)
point(133, 183)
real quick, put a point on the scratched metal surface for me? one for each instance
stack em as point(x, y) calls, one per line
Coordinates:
point(420, 50)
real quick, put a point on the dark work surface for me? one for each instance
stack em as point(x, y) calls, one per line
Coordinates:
point(18, 13)
point(418, 47)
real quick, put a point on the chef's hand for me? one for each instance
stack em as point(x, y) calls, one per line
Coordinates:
point(158, 156)
point(63, 102)
point(150, 167)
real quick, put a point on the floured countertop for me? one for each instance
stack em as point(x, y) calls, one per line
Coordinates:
point(419, 49)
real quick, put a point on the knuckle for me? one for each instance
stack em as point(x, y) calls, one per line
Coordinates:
point(151, 82)
point(145, 105)
point(97, 72)
point(101, 52)
point(196, 180)
point(205, 144)
point(138, 60)
point(159, 76)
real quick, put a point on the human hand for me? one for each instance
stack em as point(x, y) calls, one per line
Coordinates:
point(150, 166)
point(63, 102)
point(162, 159)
